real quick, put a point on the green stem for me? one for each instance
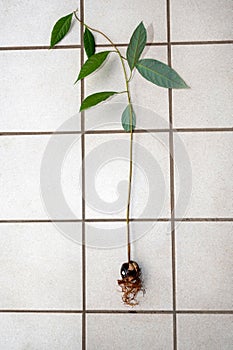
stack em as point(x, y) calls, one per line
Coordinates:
point(130, 182)
point(130, 76)
point(131, 128)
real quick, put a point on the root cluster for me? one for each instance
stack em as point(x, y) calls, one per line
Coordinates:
point(130, 286)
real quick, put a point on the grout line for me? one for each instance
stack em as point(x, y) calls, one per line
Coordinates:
point(220, 129)
point(205, 312)
point(130, 219)
point(83, 186)
point(38, 47)
point(116, 131)
point(119, 131)
point(37, 133)
point(169, 312)
point(204, 219)
point(36, 221)
point(126, 44)
point(172, 189)
point(202, 42)
point(165, 43)
point(67, 47)
point(45, 221)
point(129, 311)
point(24, 311)
point(75, 46)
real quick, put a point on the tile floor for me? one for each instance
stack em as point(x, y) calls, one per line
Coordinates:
point(57, 293)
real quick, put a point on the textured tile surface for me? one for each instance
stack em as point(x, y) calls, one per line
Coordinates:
point(120, 329)
point(37, 91)
point(209, 101)
point(201, 20)
point(107, 15)
point(41, 268)
point(106, 186)
point(20, 164)
point(204, 265)
point(205, 332)
point(33, 331)
point(151, 250)
point(211, 164)
point(30, 23)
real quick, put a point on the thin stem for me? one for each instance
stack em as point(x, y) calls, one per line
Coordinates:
point(122, 92)
point(130, 76)
point(130, 182)
point(124, 58)
point(131, 128)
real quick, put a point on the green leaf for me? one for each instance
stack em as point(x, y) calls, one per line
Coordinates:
point(96, 98)
point(89, 42)
point(160, 74)
point(60, 29)
point(128, 121)
point(136, 45)
point(93, 63)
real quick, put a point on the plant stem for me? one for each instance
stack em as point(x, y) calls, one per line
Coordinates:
point(130, 182)
point(131, 128)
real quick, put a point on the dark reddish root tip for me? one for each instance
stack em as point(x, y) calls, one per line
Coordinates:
point(130, 283)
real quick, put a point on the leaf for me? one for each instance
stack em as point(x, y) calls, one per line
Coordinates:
point(60, 29)
point(160, 74)
point(89, 42)
point(93, 63)
point(136, 45)
point(96, 98)
point(127, 118)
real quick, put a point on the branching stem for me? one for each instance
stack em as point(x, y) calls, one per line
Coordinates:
point(131, 128)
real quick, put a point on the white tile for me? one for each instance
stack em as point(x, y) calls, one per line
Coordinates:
point(205, 332)
point(106, 16)
point(37, 92)
point(27, 192)
point(151, 249)
point(208, 103)
point(150, 101)
point(201, 20)
point(31, 331)
point(107, 168)
point(211, 174)
point(30, 23)
point(134, 331)
point(40, 267)
point(204, 265)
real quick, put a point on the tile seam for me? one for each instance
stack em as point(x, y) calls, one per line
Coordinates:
point(172, 192)
point(90, 220)
point(115, 131)
point(83, 186)
point(75, 46)
point(96, 311)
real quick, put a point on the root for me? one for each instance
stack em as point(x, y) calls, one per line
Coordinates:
point(130, 288)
